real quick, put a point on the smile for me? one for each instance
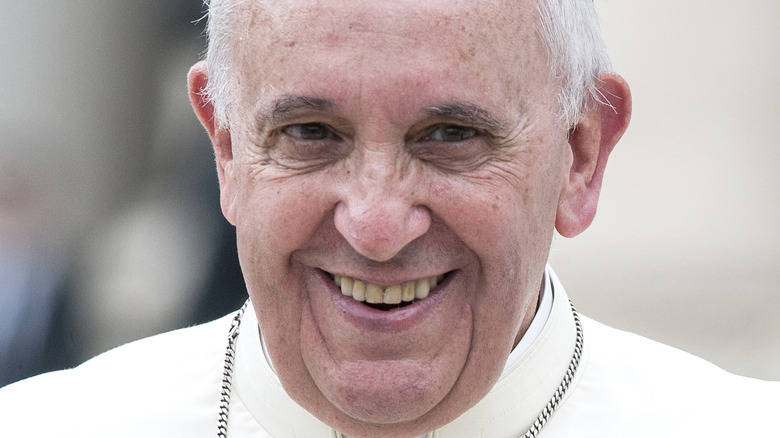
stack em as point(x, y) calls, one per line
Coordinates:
point(396, 295)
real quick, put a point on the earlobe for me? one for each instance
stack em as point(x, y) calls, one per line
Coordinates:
point(197, 79)
point(591, 142)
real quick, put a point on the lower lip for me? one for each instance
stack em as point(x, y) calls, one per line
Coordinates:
point(395, 320)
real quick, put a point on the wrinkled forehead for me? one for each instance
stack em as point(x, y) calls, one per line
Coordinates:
point(391, 55)
point(407, 23)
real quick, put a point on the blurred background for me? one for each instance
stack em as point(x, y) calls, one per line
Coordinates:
point(110, 228)
point(685, 247)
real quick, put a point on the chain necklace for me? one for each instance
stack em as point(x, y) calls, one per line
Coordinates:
point(541, 420)
point(227, 372)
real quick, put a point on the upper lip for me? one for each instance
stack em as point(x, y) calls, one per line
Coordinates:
point(385, 280)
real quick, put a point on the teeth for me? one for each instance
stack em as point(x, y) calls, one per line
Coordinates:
point(407, 292)
point(421, 289)
point(395, 294)
point(392, 295)
point(374, 294)
point(346, 284)
point(358, 290)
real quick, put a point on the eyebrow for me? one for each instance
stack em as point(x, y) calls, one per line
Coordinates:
point(286, 106)
point(466, 112)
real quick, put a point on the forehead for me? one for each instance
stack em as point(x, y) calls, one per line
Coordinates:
point(492, 45)
point(393, 16)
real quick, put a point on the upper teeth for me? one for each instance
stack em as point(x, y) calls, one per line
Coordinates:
point(395, 294)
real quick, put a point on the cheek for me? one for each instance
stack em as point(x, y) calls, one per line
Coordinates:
point(507, 219)
point(278, 215)
point(498, 220)
point(274, 218)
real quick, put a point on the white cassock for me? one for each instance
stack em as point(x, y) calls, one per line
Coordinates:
point(626, 386)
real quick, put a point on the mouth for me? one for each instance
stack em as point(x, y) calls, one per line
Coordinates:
point(386, 297)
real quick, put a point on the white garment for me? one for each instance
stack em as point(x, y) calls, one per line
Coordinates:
point(168, 386)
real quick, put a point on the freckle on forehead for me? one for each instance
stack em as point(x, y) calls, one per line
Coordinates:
point(435, 13)
point(281, 34)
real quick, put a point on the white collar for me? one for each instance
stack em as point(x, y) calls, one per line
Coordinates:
point(537, 324)
point(521, 392)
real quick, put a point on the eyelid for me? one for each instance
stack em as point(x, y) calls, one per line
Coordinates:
point(426, 133)
point(333, 132)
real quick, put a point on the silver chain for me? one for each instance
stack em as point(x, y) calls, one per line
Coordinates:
point(541, 420)
point(227, 372)
point(548, 410)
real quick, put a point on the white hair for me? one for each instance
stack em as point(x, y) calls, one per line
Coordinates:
point(217, 90)
point(576, 53)
point(569, 29)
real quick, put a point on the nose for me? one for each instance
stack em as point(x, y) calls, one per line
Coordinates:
point(378, 229)
point(379, 219)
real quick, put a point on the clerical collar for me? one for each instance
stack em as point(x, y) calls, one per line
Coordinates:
point(537, 324)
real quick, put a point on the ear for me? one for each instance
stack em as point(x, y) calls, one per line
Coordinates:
point(220, 138)
point(591, 142)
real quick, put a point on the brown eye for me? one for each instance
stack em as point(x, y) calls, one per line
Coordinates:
point(309, 131)
point(451, 133)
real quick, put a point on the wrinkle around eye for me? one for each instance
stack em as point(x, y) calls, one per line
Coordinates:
point(479, 153)
point(271, 167)
point(456, 156)
point(289, 154)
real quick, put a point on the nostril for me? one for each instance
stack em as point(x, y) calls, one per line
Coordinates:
point(379, 227)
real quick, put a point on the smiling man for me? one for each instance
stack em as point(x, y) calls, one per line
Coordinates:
point(395, 171)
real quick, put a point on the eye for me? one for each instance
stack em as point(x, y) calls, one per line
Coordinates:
point(309, 131)
point(451, 133)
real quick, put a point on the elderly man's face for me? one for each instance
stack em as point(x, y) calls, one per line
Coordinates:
point(375, 146)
